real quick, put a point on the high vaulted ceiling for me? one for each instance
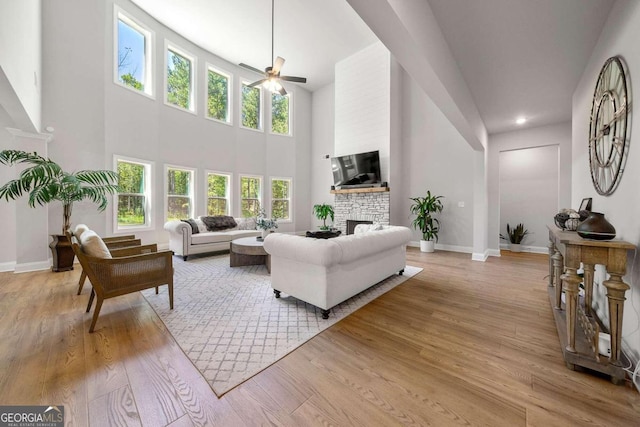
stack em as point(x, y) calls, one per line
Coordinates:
point(310, 35)
point(518, 57)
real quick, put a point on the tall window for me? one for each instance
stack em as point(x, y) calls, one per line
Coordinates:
point(251, 107)
point(218, 99)
point(280, 113)
point(132, 207)
point(133, 47)
point(218, 193)
point(180, 79)
point(179, 191)
point(250, 195)
point(281, 198)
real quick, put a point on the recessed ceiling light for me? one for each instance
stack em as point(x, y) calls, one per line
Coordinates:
point(521, 121)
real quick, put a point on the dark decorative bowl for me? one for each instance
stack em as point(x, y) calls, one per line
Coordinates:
point(560, 220)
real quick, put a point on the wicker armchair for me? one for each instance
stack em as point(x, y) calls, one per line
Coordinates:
point(116, 242)
point(128, 271)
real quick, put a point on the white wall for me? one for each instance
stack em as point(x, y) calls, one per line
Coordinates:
point(322, 145)
point(20, 62)
point(622, 208)
point(363, 105)
point(436, 158)
point(529, 180)
point(558, 135)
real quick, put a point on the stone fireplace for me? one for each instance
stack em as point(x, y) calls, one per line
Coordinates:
point(361, 204)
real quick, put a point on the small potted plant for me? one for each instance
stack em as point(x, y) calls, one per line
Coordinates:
point(515, 236)
point(322, 212)
point(45, 182)
point(265, 224)
point(424, 208)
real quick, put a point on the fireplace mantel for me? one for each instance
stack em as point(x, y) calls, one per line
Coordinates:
point(361, 190)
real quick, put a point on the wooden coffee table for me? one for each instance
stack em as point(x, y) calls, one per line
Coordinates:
point(248, 251)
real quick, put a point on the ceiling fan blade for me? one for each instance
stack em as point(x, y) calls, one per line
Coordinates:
point(249, 67)
point(277, 65)
point(256, 83)
point(294, 79)
point(282, 91)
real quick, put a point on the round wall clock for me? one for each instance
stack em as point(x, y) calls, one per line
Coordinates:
point(608, 143)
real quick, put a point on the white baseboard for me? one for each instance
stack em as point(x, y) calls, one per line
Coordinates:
point(32, 266)
point(449, 248)
point(482, 257)
point(526, 248)
point(493, 252)
point(7, 266)
point(163, 246)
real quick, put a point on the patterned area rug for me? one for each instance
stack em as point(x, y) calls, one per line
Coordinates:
point(227, 321)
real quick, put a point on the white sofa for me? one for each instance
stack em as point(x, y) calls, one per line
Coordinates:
point(184, 243)
point(326, 272)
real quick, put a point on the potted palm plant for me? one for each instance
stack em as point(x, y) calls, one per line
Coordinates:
point(424, 208)
point(46, 182)
point(322, 212)
point(515, 236)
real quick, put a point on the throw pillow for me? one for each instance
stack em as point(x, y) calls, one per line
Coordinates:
point(218, 223)
point(192, 223)
point(80, 228)
point(201, 227)
point(93, 245)
point(246, 223)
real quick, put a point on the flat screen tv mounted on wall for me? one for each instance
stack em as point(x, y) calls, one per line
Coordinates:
point(356, 170)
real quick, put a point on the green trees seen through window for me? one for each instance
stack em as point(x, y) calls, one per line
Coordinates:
point(250, 107)
point(280, 198)
point(131, 194)
point(250, 196)
point(217, 96)
point(217, 194)
point(179, 194)
point(178, 80)
point(280, 114)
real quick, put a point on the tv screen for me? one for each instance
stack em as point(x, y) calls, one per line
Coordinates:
point(362, 169)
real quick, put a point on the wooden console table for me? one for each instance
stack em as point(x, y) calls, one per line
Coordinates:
point(580, 345)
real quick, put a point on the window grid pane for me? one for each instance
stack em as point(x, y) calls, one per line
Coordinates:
point(131, 200)
point(250, 107)
point(179, 194)
point(218, 96)
point(131, 56)
point(280, 199)
point(217, 194)
point(178, 80)
point(249, 196)
point(280, 114)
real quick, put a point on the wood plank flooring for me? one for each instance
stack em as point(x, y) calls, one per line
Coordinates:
point(462, 343)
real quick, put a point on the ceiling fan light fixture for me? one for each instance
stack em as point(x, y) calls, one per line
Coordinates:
point(272, 85)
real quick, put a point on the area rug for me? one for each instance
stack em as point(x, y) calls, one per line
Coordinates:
point(227, 321)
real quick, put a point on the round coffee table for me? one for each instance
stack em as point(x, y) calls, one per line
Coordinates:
point(248, 251)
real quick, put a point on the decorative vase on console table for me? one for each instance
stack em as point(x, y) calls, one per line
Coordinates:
point(596, 227)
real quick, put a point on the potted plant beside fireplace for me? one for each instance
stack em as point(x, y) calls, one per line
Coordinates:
point(424, 208)
point(45, 182)
point(322, 212)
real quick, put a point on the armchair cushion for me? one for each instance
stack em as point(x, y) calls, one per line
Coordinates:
point(93, 245)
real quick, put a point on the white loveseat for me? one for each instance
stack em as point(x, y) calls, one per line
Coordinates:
point(183, 242)
point(326, 272)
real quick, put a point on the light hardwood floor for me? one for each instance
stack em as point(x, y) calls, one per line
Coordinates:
point(462, 343)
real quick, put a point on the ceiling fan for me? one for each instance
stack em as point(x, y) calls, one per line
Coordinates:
point(272, 79)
